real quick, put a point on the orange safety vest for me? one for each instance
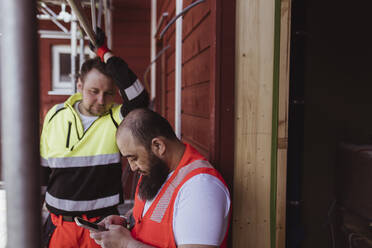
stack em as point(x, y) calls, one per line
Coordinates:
point(155, 227)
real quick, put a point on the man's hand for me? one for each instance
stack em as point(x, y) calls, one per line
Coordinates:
point(101, 48)
point(113, 220)
point(116, 237)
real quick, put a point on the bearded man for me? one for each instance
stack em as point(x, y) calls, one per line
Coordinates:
point(181, 200)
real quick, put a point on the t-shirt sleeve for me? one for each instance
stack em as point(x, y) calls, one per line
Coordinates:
point(201, 211)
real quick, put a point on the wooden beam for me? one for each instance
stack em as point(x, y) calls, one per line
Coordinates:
point(285, 32)
point(253, 122)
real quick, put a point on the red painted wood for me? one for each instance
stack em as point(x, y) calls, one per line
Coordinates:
point(194, 16)
point(197, 70)
point(124, 28)
point(202, 150)
point(227, 79)
point(198, 40)
point(196, 129)
point(170, 116)
point(131, 37)
point(170, 81)
point(195, 100)
point(170, 99)
point(207, 80)
point(171, 63)
point(214, 82)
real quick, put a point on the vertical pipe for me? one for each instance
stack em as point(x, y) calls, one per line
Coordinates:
point(108, 22)
point(93, 11)
point(178, 70)
point(20, 128)
point(81, 54)
point(99, 20)
point(153, 49)
point(73, 50)
point(78, 11)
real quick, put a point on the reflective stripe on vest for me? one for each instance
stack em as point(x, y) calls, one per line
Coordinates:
point(161, 207)
point(65, 162)
point(44, 162)
point(69, 205)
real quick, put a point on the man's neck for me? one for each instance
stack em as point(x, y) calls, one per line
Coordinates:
point(177, 149)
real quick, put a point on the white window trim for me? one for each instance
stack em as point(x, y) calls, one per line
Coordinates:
point(62, 87)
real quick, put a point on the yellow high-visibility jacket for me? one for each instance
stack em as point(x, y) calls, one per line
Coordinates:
point(83, 168)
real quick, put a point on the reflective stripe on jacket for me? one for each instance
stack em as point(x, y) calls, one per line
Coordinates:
point(156, 226)
point(85, 166)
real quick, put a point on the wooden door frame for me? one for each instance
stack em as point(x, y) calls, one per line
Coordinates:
point(261, 122)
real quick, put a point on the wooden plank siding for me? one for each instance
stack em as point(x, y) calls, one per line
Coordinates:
point(195, 72)
point(131, 33)
point(208, 72)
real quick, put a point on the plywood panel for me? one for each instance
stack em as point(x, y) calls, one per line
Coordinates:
point(253, 112)
point(283, 122)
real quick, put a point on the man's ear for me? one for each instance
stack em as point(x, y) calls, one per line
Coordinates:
point(79, 85)
point(158, 146)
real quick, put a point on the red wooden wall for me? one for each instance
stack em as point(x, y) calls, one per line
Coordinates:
point(131, 33)
point(207, 78)
point(196, 74)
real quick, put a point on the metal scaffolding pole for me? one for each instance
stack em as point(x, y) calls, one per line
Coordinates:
point(20, 122)
point(81, 53)
point(73, 44)
point(78, 11)
point(107, 4)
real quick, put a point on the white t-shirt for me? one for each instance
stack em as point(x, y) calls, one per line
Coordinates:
point(85, 119)
point(201, 211)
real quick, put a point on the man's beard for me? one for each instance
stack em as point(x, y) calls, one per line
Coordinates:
point(152, 182)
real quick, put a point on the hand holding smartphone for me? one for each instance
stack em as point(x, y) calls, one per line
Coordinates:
point(89, 225)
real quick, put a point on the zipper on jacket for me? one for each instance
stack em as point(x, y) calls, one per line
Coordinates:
point(68, 134)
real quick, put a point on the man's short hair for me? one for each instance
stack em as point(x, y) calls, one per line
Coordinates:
point(91, 64)
point(146, 124)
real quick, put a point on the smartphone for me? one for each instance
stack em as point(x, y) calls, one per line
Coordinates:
point(89, 225)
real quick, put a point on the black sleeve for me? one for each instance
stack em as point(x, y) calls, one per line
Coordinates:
point(124, 77)
point(44, 175)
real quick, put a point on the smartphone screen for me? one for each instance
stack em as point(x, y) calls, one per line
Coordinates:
point(89, 225)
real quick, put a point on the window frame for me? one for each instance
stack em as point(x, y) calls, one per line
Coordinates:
point(59, 87)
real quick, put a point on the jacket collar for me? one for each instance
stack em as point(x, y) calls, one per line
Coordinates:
point(73, 99)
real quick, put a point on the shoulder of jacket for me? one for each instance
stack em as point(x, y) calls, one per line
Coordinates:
point(116, 114)
point(54, 111)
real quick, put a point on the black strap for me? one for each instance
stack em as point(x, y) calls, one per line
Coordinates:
point(113, 120)
point(58, 108)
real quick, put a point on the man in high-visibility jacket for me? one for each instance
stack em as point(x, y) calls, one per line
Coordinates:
point(181, 200)
point(81, 163)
